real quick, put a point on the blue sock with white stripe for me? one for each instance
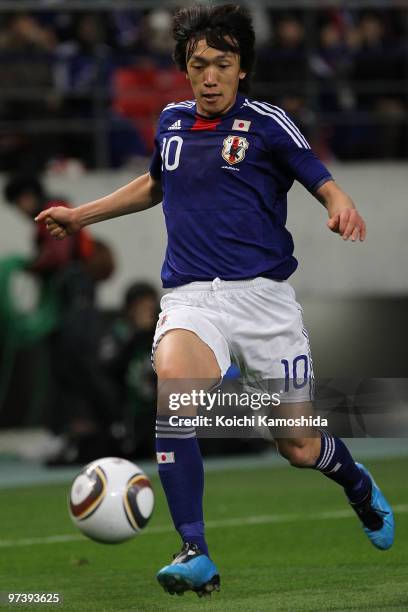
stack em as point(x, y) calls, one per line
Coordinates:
point(336, 462)
point(181, 473)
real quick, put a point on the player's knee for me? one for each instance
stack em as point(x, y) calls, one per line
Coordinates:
point(299, 453)
point(299, 456)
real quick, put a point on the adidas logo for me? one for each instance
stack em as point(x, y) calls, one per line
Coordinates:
point(176, 125)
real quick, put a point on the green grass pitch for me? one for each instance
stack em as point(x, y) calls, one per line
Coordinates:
point(283, 539)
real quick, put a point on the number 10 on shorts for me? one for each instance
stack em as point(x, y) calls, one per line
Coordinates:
point(297, 371)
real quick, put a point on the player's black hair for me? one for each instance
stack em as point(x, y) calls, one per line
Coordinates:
point(139, 290)
point(18, 185)
point(215, 23)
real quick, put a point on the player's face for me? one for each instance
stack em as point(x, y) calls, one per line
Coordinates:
point(214, 76)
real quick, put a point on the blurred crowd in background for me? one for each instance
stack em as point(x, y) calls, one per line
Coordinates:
point(87, 87)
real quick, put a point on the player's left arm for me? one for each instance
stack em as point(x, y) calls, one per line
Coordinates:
point(290, 147)
point(344, 219)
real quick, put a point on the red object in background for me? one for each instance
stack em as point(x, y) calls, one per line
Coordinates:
point(53, 255)
point(139, 94)
point(134, 92)
point(173, 86)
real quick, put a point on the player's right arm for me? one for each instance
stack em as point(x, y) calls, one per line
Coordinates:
point(140, 194)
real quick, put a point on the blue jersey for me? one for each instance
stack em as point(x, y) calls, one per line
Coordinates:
point(225, 182)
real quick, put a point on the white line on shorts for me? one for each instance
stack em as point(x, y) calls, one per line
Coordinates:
point(232, 522)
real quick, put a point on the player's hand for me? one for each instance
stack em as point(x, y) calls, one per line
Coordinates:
point(349, 224)
point(60, 221)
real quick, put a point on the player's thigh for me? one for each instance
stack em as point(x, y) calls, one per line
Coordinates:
point(270, 340)
point(182, 354)
point(184, 363)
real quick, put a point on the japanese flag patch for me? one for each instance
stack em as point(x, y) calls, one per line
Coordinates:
point(165, 457)
point(241, 124)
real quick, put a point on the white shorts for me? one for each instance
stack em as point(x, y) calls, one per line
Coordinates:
point(256, 324)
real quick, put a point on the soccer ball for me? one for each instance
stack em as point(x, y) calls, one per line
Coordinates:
point(111, 500)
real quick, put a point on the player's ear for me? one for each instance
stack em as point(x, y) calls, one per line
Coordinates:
point(242, 75)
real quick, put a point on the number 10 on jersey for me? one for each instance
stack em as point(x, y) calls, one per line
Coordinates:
point(170, 153)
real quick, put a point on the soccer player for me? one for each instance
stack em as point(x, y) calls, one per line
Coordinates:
point(223, 165)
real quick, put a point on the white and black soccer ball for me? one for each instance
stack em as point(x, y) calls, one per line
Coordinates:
point(111, 500)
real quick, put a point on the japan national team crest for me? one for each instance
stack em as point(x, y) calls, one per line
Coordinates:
point(234, 149)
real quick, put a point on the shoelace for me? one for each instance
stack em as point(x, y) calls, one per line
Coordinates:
point(371, 518)
point(183, 554)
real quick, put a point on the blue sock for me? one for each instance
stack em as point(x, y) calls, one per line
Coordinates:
point(182, 476)
point(336, 462)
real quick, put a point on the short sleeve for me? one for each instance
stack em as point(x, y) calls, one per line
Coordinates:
point(307, 168)
point(291, 148)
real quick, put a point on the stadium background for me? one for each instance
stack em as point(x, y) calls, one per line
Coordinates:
point(81, 86)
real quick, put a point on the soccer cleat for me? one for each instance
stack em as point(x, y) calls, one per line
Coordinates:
point(376, 515)
point(190, 570)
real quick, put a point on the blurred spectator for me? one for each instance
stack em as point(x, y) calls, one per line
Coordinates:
point(85, 404)
point(330, 65)
point(110, 387)
point(126, 141)
point(135, 99)
point(150, 81)
point(83, 72)
point(377, 64)
point(157, 37)
point(128, 26)
point(84, 63)
point(85, 66)
point(26, 85)
point(282, 72)
point(141, 92)
point(284, 64)
point(377, 77)
point(147, 37)
point(28, 194)
point(126, 354)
